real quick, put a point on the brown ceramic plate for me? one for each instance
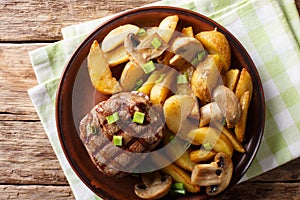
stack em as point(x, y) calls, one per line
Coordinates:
point(76, 97)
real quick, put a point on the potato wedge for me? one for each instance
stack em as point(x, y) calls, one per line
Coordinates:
point(167, 27)
point(231, 78)
point(176, 109)
point(117, 36)
point(202, 155)
point(116, 56)
point(181, 176)
point(244, 84)
point(99, 71)
point(212, 136)
point(237, 145)
point(205, 78)
point(216, 43)
point(130, 75)
point(188, 31)
point(162, 90)
point(240, 127)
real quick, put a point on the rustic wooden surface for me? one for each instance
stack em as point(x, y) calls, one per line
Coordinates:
point(28, 166)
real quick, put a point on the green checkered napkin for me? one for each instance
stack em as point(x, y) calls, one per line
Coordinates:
point(268, 29)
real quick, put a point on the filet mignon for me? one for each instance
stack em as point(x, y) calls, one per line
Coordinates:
point(97, 134)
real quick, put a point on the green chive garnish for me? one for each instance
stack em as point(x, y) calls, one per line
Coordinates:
point(141, 32)
point(112, 118)
point(182, 79)
point(149, 67)
point(161, 78)
point(178, 186)
point(138, 117)
point(156, 43)
point(177, 191)
point(138, 84)
point(195, 61)
point(200, 55)
point(207, 146)
point(117, 139)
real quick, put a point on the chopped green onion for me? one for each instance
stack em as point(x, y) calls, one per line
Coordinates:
point(200, 55)
point(149, 67)
point(138, 84)
point(161, 78)
point(112, 118)
point(141, 32)
point(177, 191)
point(207, 146)
point(178, 186)
point(156, 43)
point(138, 117)
point(182, 79)
point(117, 139)
point(171, 137)
point(195, 61)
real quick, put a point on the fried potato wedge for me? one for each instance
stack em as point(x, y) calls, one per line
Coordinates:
point(167, 27)
point(99, 71)
point(117, 36)
point(130, 76)
point(116, 56)
point(176, 109)
point(188, 31)
point(162, 89)
point(181, 176)
point(215, 42)
point(244, 84)
point(237, 145)
point(213, 137)
point(231, 78)
point(202, 155)
point(205, 78)
point(240, 127)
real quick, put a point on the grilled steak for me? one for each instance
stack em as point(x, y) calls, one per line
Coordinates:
point(97, 134)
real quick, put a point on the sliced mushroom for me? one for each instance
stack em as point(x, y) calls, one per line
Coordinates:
point(188, 48)
point(155, 185)
point(215, 176)
point(141, 51)
point(229, 105)
point(210, 113)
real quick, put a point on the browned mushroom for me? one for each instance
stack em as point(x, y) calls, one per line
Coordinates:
point(229, 104)
point(215, 176)
point(155, 185)
point(210, 113)
point(141, 51)
point(189, 48)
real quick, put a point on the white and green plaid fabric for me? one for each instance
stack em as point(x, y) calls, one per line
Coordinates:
point(268, 29)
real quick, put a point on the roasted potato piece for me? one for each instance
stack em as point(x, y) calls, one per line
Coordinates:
point(215, 42)
point(240, 127)
point(176, 109)
point(150, 82)
point(117, 36)
point(231, 78)
point(181, 176)
point(188, 31)
point(202, 155)
point(237, 145)
point(212, 137)
point(130, 75)
point(99, 71)
point(244, 84)
point(116, 56)
point(161, 90)
point(205, 78)
point(167, 27)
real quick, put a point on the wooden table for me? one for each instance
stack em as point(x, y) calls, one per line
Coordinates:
point(28, 166)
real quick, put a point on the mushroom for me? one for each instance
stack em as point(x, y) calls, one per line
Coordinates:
point(141, 51)
point(215, 176)
point(229, 105)
point(210, 113)
point(188, 48)
point(155, 185)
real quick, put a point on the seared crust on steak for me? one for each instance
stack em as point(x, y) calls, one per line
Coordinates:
point(97, 135)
